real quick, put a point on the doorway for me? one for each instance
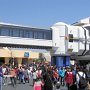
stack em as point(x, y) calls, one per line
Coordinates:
point(25, 61)
point(2, 60)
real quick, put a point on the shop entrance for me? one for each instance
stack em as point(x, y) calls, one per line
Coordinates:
point(2, 60)
point(25, 61)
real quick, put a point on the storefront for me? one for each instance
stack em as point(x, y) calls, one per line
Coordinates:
point(19, 56)
point(60, 61)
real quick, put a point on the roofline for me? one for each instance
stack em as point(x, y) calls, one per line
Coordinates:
point(17, 25)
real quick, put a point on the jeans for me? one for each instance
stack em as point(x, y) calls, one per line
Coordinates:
point(21, 77)
point(1, 83)
point(13, 80)
point(62, 81)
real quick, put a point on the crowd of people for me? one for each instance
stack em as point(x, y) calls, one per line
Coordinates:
point(45, 76)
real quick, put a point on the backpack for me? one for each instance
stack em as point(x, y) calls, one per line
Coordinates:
point(82, 81)
point(58, 85)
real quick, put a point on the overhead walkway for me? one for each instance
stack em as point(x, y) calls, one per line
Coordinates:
point(20, 36)
point(25, 43)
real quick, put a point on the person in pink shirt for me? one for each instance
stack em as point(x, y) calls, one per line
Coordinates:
point(38, 84)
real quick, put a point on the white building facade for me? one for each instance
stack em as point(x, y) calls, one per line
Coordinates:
point(62, 39)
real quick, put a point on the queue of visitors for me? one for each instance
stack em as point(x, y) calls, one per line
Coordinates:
point(45, 76)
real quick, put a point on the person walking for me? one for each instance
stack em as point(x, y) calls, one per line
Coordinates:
point(34, 75)
point(13, 76)
point(1, 77)
point(62, 75)
point(69, 78)
point(38, 84)
point(21, 75)
point(81, 76)
point(48, 84)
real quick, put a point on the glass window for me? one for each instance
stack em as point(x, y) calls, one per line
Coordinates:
point(15, 33)
point(4, 32)
point(21, 33)
point(35, 35)
point(10, 32)
point(26, 34)
point(40, 35)
point(70, 37)
point(45, 35)
point(31, 34)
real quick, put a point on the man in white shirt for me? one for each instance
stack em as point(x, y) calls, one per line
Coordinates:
point(79, 74)
point(34, 76)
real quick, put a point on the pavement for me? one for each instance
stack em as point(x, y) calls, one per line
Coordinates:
point(26, 86)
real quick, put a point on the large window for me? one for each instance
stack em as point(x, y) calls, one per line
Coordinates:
point(11, 32)
point(45, 35)
point(4, 32)
point(40, 35)
point(21, 33)
point(26, 35)
point(35, 35)
point(15, 33)
point(31, 34)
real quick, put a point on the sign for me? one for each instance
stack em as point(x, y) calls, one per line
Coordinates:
point(26, 54)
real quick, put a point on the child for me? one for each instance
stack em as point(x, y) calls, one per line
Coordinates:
point(38, 84)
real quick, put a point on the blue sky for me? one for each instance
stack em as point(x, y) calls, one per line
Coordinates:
point(43, 13)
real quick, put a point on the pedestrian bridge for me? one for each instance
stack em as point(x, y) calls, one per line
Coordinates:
point(25, 43)
point(20, 36)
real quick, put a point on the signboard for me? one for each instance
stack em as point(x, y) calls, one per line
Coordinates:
point(26, 54)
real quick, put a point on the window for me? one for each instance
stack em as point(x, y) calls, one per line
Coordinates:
point(4, 32)
point(31, 34)
point(26, 35)
point(70, 37)
point(35, 35)
point(10, 32)
point(21, 33)
point(45, 35)
point(40, 35)
point(15, 33)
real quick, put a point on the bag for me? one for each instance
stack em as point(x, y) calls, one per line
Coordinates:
point(58, 85)
point(82, 81)
point(88, 86)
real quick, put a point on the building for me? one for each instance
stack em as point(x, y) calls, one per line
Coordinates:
point(18, 42)
point(62, 42)
point(69, 43)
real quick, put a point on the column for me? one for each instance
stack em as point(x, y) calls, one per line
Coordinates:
point(58, 61)
point(67, 60)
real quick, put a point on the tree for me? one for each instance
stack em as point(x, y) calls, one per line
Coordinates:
point(42, 57)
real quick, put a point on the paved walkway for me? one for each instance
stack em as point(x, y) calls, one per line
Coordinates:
point(27, 86)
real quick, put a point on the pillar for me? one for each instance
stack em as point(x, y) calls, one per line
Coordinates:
point(67, 60)
point(58, 61)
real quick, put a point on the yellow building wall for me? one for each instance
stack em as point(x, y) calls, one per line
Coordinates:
point(18, 53)
point(6, 60)
point(5, 53)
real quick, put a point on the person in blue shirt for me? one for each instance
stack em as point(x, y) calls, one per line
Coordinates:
point(1, 77)
point(62, 75)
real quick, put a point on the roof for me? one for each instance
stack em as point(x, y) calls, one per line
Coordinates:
point(17, 25)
